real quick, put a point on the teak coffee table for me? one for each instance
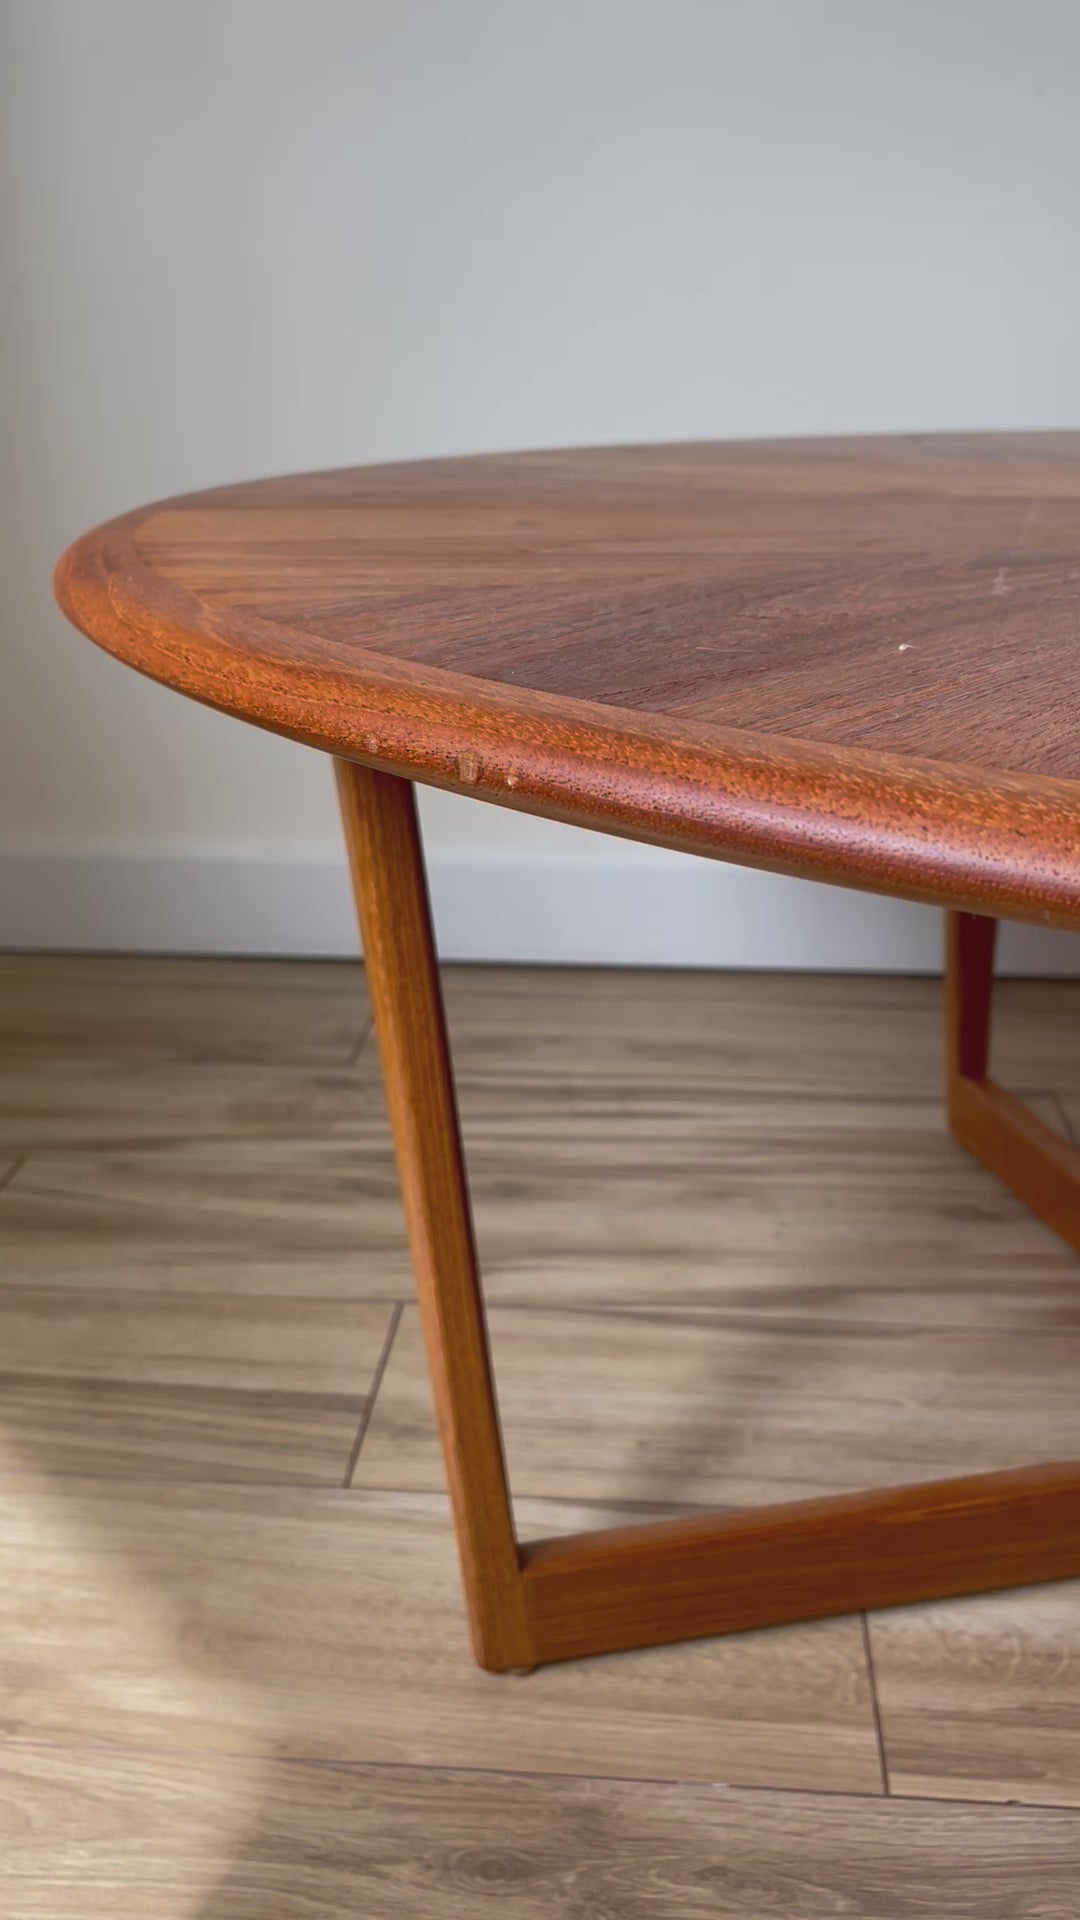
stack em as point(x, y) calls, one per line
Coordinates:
point(853, 660)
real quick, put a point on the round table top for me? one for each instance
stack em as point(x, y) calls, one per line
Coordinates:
point(854, 659)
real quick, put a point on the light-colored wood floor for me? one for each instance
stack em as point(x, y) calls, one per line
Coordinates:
point(731, 1255)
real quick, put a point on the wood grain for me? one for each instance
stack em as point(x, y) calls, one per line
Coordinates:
point(982, 1700)
point(617, 1029)
point(305, 1623)
point(255, 1621)
point(801, 655)
point(679, 1137)
point(170, 1385)
point(117, 1836)
point(642, 1585)
point(140, 1009)
point(824, 1209)
point(55, 1105)
point(631, 1137)
point(838, 1212)
point(703, 1411)
point(387, 866)
point(317, 1216)
point(821, 1036)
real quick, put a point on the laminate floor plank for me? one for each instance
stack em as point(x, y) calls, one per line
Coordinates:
point(317, 1625)
point(121, 1836)
point(140, 1007)
point(657, 1407)
point(980, 1699)
point(169, 1385)
point(55, 1105)
point(831, 1211)
point(731, 1254)
point(822, 1034)
point(307, 1216)
point(697, 1198)
point(857, 1035)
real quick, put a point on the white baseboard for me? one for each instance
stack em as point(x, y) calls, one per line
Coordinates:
point(663, 910)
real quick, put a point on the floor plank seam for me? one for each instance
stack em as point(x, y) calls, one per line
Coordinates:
point(7, 1174)
point(875, 1706)
point(660, 1509)
point(735, 1319)
point(14, 1743)
point(28, 1477)
point(192, 1394)
point(727, 1319)
point(1068, 1130)
point(376, 1382)
point(358, 1048)
point(34, 1288)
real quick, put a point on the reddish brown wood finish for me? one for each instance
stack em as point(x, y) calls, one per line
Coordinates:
point(854, 660)
point(1042, 1169)
point(970, 940)
point(717, 1573)
point(387, 866)
point(850, 660)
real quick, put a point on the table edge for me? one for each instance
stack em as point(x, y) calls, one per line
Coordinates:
point(944, 833)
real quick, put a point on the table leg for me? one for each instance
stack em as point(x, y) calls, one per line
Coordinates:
point(1041, 1168)
point(387, 866)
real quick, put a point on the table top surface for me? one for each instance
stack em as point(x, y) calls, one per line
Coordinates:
point(856, 659)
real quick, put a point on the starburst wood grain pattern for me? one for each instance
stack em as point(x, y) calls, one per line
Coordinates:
point(851, 659)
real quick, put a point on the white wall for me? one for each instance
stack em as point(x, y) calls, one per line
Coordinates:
point(241, 236)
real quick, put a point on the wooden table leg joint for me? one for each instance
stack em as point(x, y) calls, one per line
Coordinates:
point(1005, 1134)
